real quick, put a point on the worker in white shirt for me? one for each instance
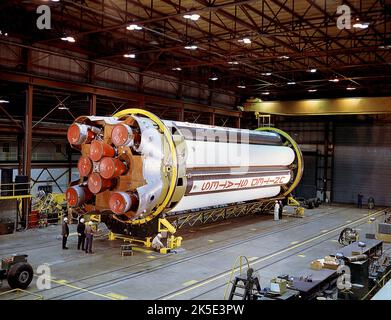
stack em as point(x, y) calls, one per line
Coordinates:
point(276, 211)
point(156, 243)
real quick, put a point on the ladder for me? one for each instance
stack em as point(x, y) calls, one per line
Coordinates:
point(248, 283)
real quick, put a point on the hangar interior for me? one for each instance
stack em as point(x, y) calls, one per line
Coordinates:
point(310, 96)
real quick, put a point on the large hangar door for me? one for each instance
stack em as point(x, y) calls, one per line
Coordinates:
point(362, 163)
point(307, 185)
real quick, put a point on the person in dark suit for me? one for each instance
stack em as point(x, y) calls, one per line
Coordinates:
point(359, 200)
point(81, 227)
point(89, 231)
point(65, 233)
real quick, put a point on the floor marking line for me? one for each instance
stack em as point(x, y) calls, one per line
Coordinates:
point(200, 284)
point(64, 283)
point(189, 283)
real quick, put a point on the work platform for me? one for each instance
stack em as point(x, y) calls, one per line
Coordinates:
point(199, 270)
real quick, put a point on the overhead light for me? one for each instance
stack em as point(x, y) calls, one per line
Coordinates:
point(176, 69)
point(291, 83)
point(4, 101)
point(134, 27)
point(55, 0)
point(213, 78)
point(233, 62)
point(69, 39)
point(312, 70)
point(241, 86)
point(351, 88)
point(267, 74)
point(191, 47)
point(62, 107)
point(245, 40)
point(312, 90)
point(284, 57)
point(360, 25)
point(266, 93)
point(130, 55)
point(193, 16)
point(334, 80)
point(380, 47)
point(2, 33)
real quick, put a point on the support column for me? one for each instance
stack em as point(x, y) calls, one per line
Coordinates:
point(237, 122)
point(27, 149)
point(92, 107)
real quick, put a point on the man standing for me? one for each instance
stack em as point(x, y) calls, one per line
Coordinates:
point(281, 208)
point(359, 200)
point(65, 233)
point(276, 210)
point(81, 227)
point(89, 231)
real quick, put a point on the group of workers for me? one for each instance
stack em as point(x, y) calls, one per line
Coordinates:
point(85, 235)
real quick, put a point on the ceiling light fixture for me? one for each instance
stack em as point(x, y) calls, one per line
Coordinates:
point(267, 74)
point(233, 62)
point(360, 25)
point(241, 86)
point(69, 39)
point(334, 80)
point(351, 88)
point(266, 93)
point(245, 40)
point(4, 101)
point(312, 90)
point(312, 70)
point(130, 55)
point(193, 16)
point(284, 57)
point(291, 83)
point(134, 27)
point(191, 47)
point(213, 78)
point(176, 69)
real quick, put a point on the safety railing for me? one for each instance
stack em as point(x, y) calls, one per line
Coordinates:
point(15, 190)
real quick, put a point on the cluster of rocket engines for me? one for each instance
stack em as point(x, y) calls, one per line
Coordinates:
point(126, 165)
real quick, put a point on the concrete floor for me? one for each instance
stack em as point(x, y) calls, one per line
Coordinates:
point(200, 270)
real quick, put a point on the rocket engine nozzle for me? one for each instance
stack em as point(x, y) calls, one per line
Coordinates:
point(121, 202)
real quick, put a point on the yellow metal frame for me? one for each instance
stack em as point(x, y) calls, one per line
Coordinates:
point(174, 171)
point(299, 156)
point(163, 226)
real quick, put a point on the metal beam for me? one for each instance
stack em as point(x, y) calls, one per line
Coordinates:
point(107, 92)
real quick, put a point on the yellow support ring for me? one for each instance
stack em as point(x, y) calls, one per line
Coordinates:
point(299, 155)
point(174, 170)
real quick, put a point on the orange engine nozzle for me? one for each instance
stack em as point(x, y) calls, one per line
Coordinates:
point(122, 135)
point(100, 149)
point(77, 195)
point(111, 168)
point(98, 184)
point(84, 165)
point(122, 202)
point(80, 133)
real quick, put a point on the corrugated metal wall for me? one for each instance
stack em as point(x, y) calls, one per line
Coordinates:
point(307, 186)
point(362, 163)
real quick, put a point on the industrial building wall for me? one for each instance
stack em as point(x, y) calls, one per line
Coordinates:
point(362, 163)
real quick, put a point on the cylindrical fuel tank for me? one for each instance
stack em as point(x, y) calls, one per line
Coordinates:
point(139, 166)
